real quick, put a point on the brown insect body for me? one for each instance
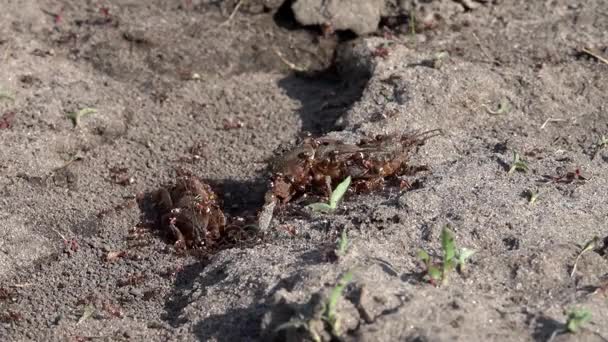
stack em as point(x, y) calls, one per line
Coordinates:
point(317, 165)
point(191, 212)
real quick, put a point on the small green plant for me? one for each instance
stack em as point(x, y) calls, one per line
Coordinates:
point(532, 196)
point(87, 313)
point(412, 23)
point(77, 115)
point(4, 95)
point(603, 142)
point(438, 59)
point(576, 318)
point(438, 274)
point(342, 244)
point(518, 164)
point(325, 319)
point(334, 198)
point(504, 107)
point(590, 245)
point(330, 314)
point(463, 255)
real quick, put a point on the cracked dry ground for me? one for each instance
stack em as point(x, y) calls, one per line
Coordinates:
point(173, 87)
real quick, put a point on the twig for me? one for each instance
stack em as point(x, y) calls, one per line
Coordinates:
point(288, 63)
point(484, 51)
point(595, 55)
point(60, 235)
point(5, 95)
point(234, 11)
point(551, 120)
point(70, 162)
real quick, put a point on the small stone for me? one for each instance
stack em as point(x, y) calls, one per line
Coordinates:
point(360, 16)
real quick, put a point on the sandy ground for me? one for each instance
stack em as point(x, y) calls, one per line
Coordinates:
point(167, 80)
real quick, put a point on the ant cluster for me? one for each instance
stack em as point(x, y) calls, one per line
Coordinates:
point(191, 211)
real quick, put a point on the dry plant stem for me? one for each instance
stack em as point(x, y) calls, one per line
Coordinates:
point(60, 235)
point(551, 120)
point(234, 11)
point(595, 55)
point(70, 162)
point(490, 58)
point(288, 63)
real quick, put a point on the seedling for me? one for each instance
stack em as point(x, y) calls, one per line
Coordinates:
point(412, 24)
point(334, 198)
point(518, 164)
point(87, 313)
point(4, 95)
point(342, 244)
point(532, 196)
point(576, 318)
point(451, 259)
point(463, 255)
point(590, 245)
point(602, 142)
point(329, 317)
point(330, 314)
point(504, 107)
point(76, 116)
point(439, 58)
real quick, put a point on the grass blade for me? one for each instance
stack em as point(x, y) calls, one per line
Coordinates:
point(320, 207)
point(576, 318)
point(586, 248)
point(339, 192)
point(449, 253)
point(76, 116)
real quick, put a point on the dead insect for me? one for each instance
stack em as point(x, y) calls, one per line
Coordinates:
point(171, 272)
point(10, 316)
point(133, 280)
point(137, 232)
point(119, 175)
point(6, 120)
point(5, 293)
point(381, 51)
point(115, 255)
point(112, 309)
point(566, 178)
point(190, 211)
point(232, 123)
point(317, 165)
point(327, 30)
point(70, 246)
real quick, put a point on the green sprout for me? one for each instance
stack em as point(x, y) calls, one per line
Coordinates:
point(602, 142)
point(590, 245)
point(412, 23)
point(87, 313)
point(452, 258)
point(439, 58)
point(342, 244)
point(77, 115)
point(334, 198)
point(532, 196)
point(5, 95)
point(504, 107)
point(463, 256)
point(576, 318)
point(518, 164)
point(328, 317)
point(330, 314)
